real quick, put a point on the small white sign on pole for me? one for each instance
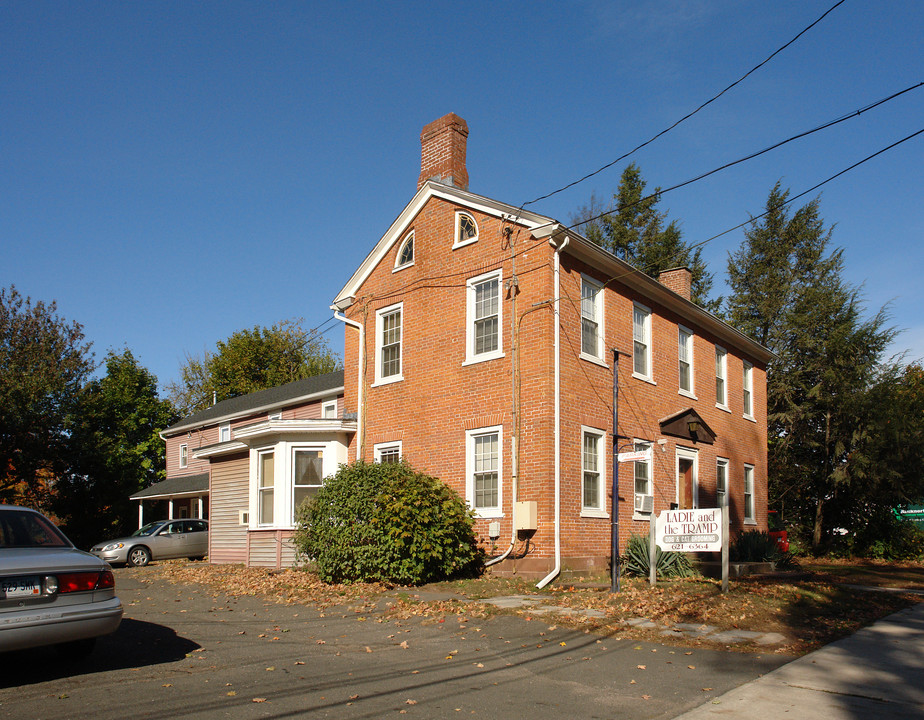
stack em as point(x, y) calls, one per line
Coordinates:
point(635, 456)
point(697, 530)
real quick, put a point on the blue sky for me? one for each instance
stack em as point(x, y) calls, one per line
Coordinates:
point(171, 172)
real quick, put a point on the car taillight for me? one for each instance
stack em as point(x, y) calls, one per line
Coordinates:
point(83, 581)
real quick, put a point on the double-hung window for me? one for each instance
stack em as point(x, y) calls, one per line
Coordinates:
point(641, 345)
point(266, 471)
point(224, 433)
point(484, 317)
point(685, 359)
point(593, 476)
point(483, 454)
point(307, 475)
point(721, 482)
point(388, 333)
point(643, 492)
point(184, 455)
point(721, 373)
point(749, 516)
point(591, 319)
point(747, 390)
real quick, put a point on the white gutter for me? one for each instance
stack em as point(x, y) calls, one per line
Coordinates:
point(557, 569)
point(359, 376)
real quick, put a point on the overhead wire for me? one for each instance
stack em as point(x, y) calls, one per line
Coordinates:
point(688, 115)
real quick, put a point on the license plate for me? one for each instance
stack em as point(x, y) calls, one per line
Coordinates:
point(20, 587)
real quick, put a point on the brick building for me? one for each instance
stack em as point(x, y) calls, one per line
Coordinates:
point(479, 346)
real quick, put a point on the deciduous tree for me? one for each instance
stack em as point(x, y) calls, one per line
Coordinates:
point(251, 360)
point(44, 361)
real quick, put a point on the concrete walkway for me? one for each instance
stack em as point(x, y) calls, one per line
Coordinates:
point(876, 673)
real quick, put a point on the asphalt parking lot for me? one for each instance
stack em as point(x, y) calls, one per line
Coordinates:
point(183, 651)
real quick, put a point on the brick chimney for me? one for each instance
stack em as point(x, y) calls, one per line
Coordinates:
point(680, 280)
point(442, 152)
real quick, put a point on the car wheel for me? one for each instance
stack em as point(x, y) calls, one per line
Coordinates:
point(139, 556)
point(77, 649)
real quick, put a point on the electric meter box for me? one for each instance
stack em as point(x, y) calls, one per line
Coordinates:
point(527, 515)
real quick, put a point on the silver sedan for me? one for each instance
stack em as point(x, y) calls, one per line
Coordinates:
point(160, 540)
point(50, 592)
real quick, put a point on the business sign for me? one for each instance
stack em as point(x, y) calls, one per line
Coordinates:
point(698, 530)
point(914, 513)
point(635, 456)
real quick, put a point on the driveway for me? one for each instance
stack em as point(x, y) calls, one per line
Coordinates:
point(183, 651)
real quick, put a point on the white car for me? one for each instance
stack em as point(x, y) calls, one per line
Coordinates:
point(50, 592)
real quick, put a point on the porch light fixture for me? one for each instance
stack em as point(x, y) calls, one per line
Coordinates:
point(693, 426)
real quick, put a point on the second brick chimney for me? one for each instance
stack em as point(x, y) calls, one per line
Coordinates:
point(680, 280)
point(442, 152)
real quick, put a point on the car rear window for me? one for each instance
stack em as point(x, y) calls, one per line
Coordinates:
point(21, 528)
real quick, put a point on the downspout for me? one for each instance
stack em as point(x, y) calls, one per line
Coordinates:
point(557, 569)
point(359, 378)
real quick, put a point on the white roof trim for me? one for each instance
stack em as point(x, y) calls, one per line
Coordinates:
point(309, 427)
point(428, 190)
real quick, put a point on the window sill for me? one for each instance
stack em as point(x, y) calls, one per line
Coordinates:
point(387, 381)
point(482, 358)
point(642, 517)
point(488, 514)
point(750, 521)
point(594, 513)
point(402, 267)
point(687, 393)
point(595, 360)
point(723, 408)
point(751, 418)
point(644, 378)
point(470, 241)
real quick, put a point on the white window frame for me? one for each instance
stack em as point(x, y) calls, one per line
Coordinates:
point(721, 489)
point(747, 389)
point(183, 456)
point(380, 316)
point(592, 311)
point(598, 507)
point(470, 311)
point(290, 471)
point(721, 373)
point(264, 490)
point(456, 242)
point(380, 449)
point(750, 513)
point(471, 436)
point(640, 445)
point(224, 433)
point(408, 239)
point(275, 415)
point(644, 341)
point(685, 347)
point(326, 407)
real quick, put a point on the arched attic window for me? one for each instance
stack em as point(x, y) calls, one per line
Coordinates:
point(466, 229)
point(406, 252)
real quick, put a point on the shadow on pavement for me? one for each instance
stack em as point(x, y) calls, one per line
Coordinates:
point(135, 644)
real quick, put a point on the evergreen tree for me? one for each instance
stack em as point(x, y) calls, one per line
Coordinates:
point(788, 293)
point(634, 230)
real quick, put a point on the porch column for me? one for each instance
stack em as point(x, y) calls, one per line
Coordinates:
point(170, 509)
point(199, 500)
point(140, 513)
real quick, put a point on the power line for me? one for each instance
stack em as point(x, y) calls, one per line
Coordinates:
point(688, 115)
point(824, 126)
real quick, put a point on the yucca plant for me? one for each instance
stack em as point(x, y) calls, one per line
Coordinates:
point(669, 564)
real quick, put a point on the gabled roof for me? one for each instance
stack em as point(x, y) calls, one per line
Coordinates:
point(172, 487)
point(430, 189)
point(264, 400)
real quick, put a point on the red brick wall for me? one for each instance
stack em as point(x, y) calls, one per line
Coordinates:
point(440, 397)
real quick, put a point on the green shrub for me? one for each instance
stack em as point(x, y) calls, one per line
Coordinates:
point(754, 546)
point(668, 564)
point(386, 522)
